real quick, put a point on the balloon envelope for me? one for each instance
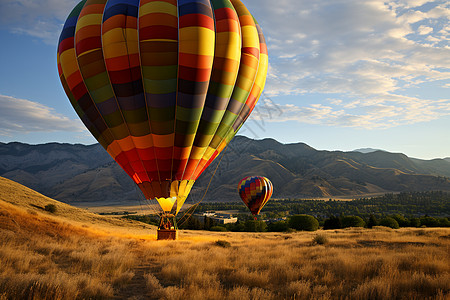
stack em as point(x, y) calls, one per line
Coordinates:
point(163, 85)
point(255, 191)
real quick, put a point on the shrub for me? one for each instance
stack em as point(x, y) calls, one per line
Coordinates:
point(320, 239)
point(50, 208)
point(255, 226)
point(429, 221)
point(235, 227)
point(332, 223)
point(414, 222)
point(444, 222)
point(372, 221)
point(389, 222)
point(401, 220)
point(218, 228)
point(303, 222)
point(352, 221)
point(223, 244)
point(279, 226)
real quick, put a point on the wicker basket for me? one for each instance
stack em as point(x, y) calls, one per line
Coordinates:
point(167, 234)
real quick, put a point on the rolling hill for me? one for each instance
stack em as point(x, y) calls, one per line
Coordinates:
point(86, 175)
point(23, 209)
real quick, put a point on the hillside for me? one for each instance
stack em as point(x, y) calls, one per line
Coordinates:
point(74, 254)
point(86, 175)
point(18, 202)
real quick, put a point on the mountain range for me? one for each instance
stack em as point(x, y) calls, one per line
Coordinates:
point(86, 175)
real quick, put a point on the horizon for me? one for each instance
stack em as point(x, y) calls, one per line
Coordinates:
point(379, 77)
point(364, 150)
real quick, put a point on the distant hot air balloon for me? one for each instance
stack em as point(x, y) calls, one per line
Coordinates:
point(255, 191)
point(163, 85)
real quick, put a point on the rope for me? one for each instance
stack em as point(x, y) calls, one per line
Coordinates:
point(206, 191)
point(145, 202)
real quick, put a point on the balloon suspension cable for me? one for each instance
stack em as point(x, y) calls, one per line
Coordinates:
point(192, 209)
point(146, 203)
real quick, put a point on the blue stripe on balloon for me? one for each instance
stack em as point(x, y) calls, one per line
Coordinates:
point(184, 2)
point(68, 32)
point(120, 9)
point(195, 8)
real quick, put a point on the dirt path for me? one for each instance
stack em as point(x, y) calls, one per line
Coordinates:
point(137, 289)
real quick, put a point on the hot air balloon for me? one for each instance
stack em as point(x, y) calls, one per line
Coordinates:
point(163, 85)
point(255, 191)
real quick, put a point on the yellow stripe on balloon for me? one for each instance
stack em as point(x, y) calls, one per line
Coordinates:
point(68, 62)
point(233, 51)
point(158, 6)
point(197, 40)
point(87, 20)
point(184, 191)
point(166, 203)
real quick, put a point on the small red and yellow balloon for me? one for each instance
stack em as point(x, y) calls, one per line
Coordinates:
point(255, 191)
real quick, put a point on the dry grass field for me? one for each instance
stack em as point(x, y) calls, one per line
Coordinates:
point(74, 254)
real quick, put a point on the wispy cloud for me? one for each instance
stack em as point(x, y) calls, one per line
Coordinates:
point(367, 52)
point(25, 116)
point(375, 113)
point(41, 19)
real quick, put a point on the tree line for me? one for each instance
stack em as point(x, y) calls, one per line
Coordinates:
point(408, 209)
point(306, 222)
point(414, 204)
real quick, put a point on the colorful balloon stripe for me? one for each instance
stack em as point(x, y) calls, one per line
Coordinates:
point(223, 77)
point(255, 191)
point(163, 85)
point(196, 48)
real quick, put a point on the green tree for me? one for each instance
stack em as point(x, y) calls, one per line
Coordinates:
point(444, 222)
point(352, 221)
point(255, 226)
point(332, 223)
point(414, 222)
point(389, 222)
point(372, 221)
point(191, 223)
point(429, 221)
point(303, 222)
point(218, 228)
point(401, 220)
point(236, 227)
point(279, 226)
point(208, 223)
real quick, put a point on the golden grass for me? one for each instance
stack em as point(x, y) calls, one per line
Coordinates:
point(33, 203)
point(43, 259)
point(70, 256)
point(355, 264)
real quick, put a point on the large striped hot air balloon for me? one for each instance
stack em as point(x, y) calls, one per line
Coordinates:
point(255, 191)
point(163, 85)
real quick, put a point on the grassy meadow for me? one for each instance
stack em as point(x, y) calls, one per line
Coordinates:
point(74, 254)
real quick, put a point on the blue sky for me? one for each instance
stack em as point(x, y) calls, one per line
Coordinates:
point(343, 74)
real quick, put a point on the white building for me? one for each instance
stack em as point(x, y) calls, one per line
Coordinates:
point(219, 218)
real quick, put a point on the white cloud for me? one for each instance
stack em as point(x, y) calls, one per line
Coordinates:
point(367, 52)
point(30, 10)
point(377, 113)
point(440, 11)
point(42, 19)
point(47, 32)
point(25, 116)
point(413, 3)
point(422, 30)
